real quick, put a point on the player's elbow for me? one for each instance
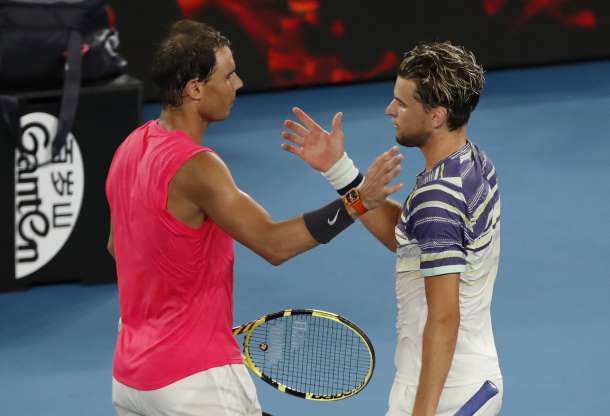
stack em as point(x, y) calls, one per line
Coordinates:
point(388, 242)
point(276, 242)
point(274, 250)
point(391, 245)
point(273, 257)
point(269, 252)
point(275, 261)
point(449, 320)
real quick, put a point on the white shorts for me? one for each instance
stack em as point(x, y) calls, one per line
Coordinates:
point(219, 391)
point(402, 399)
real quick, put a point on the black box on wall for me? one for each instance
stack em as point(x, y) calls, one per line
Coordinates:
point(55, 213)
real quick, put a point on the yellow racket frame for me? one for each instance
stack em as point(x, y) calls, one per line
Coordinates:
point(249, 327)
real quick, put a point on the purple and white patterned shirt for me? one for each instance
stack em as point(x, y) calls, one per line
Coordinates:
point(450, 224)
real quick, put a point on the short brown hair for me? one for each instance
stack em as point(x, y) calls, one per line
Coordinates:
point(188, 52)
point(446, 75)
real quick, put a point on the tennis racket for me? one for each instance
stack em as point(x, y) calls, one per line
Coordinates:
point(486, 392)
point(308, 353)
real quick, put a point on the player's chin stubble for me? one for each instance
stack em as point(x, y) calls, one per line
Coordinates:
point(417, 140)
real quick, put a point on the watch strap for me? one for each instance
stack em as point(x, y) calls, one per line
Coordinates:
point(352, 199)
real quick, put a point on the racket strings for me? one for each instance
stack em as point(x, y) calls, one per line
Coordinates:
point(311, 354)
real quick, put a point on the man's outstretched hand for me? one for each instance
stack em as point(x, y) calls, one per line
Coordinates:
point(314, 145)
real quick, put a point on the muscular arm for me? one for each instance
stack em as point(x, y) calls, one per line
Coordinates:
point(381, 222)
point(439, 339)
point(207, 182)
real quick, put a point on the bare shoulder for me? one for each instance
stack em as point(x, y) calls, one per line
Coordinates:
point(202, 176)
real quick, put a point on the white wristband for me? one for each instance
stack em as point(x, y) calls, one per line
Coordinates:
point(342, 173)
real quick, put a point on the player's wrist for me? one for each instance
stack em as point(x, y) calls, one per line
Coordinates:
point(351, 211)
point(327, 222)
point(354, 203)
point(344, 175)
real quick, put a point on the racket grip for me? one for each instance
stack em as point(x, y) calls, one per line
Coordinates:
point(486, 392)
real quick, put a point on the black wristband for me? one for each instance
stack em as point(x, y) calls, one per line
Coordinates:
point(353, 184)
point(327, 222)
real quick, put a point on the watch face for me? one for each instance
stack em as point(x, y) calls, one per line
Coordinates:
point(352, 196)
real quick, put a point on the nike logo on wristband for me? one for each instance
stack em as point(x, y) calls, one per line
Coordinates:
point(334, 220)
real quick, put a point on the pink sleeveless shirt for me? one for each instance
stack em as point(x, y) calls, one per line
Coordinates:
point(175, 282)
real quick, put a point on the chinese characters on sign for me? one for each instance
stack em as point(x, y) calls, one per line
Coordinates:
point(48, 196)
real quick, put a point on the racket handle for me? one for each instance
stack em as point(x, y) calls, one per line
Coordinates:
point(486, 392)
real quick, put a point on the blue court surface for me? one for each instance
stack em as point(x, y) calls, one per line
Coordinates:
point(547, 130)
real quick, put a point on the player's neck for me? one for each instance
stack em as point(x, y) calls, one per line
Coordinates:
point(179, 119)
point(441, 145)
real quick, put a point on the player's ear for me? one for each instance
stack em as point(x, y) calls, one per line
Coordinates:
point(193, 89)
point(438, 116)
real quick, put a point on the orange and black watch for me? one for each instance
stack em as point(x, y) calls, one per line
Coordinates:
point(352, 199)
